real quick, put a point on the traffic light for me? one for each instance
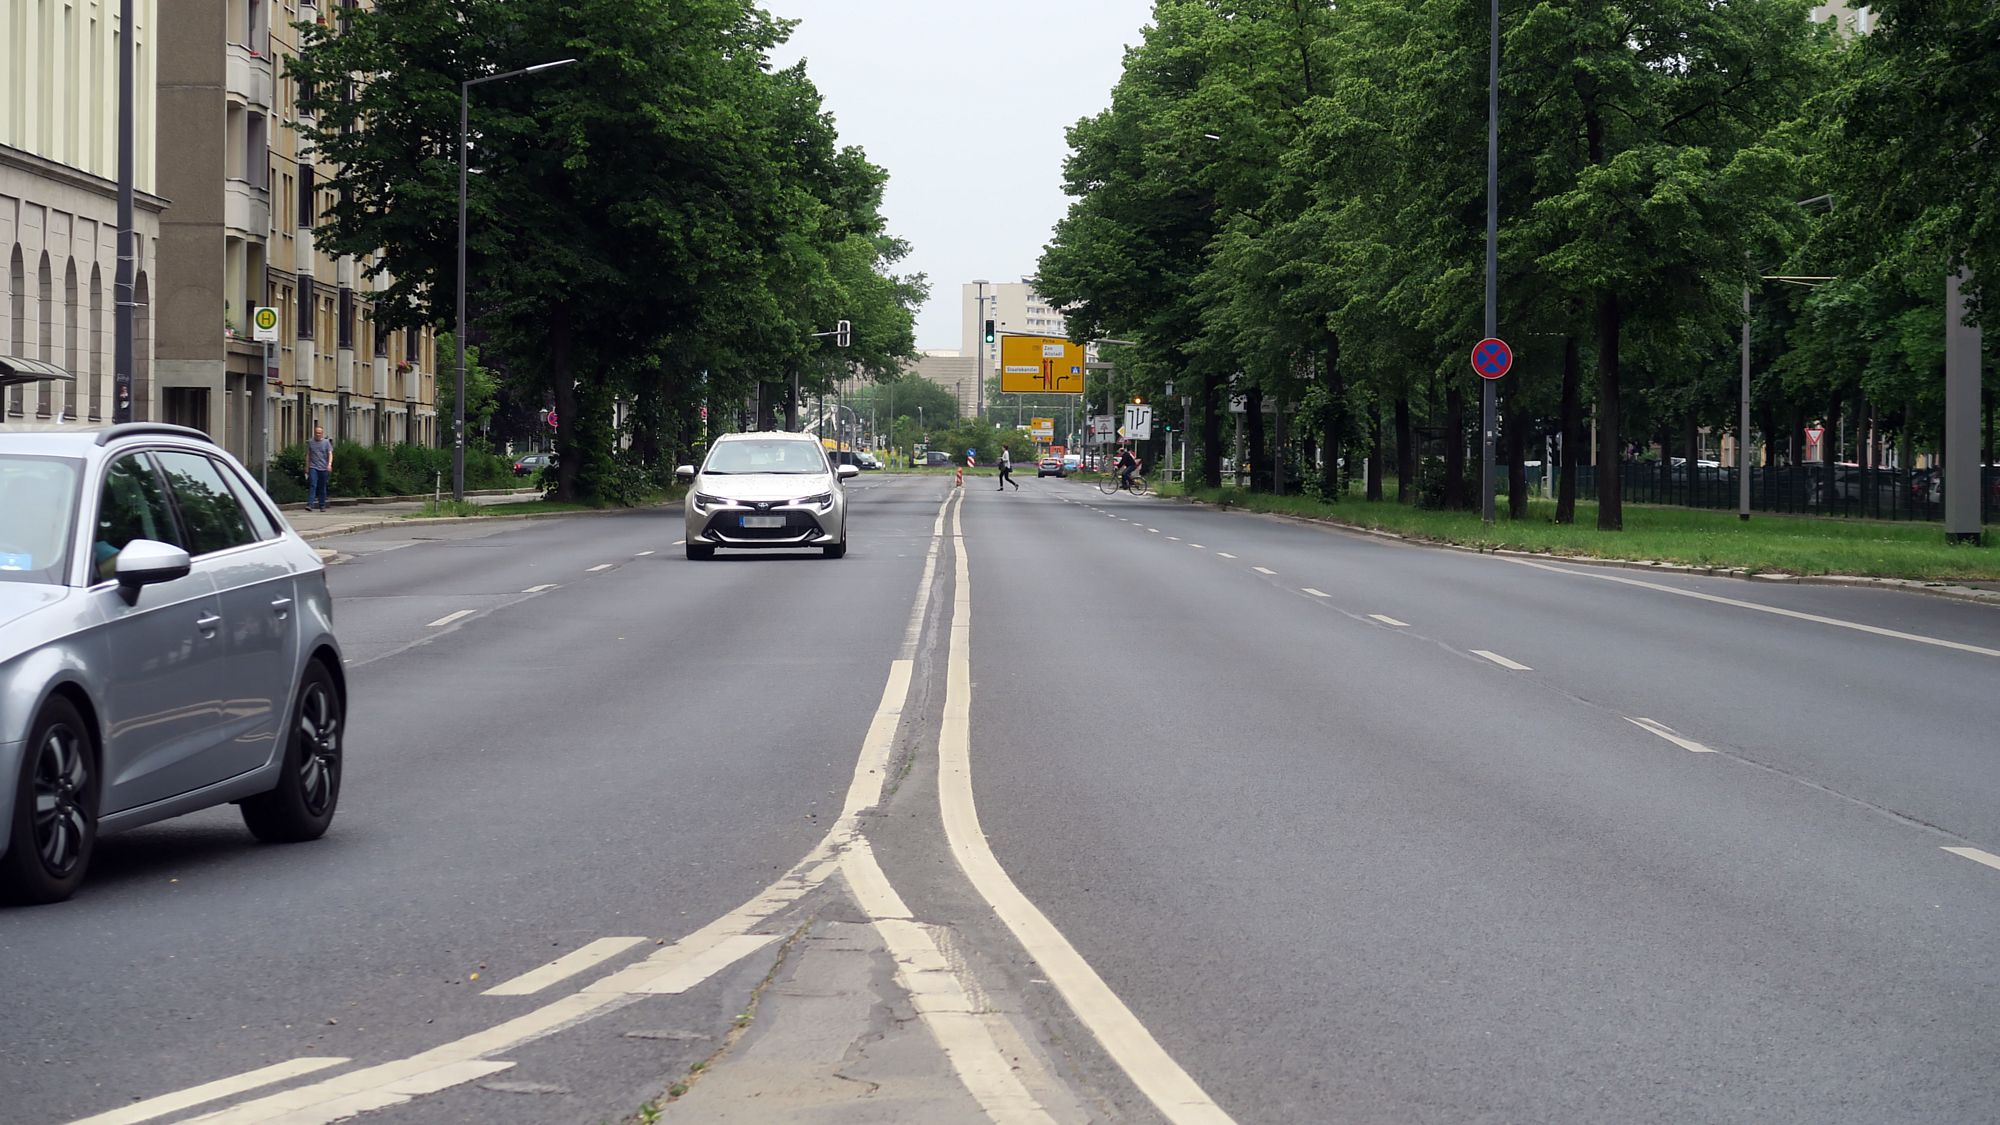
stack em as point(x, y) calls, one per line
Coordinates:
point(843, 334)
point(989, 331)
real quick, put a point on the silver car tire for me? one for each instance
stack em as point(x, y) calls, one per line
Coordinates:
point(53, 828)
point(301, 806)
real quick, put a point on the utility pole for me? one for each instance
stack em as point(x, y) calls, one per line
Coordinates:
point(1962, 522)
point(1742, 423)
point(1487, 391)
point(124, 304)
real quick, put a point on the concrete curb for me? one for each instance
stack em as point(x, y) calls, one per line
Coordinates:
point(1853, 581)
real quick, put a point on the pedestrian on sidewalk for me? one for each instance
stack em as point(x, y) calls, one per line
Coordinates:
point(319, 468)
point(1007, 471)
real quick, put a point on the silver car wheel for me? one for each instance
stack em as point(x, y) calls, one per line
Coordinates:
point(62, 788)
point(319, 739)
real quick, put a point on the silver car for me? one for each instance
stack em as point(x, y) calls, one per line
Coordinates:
point(766, 490)
point(166, 644)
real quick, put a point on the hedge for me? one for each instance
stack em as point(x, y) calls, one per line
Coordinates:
point(386, 470)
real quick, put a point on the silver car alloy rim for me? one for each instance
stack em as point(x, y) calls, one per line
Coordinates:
point(62, 782)
point(319, 736)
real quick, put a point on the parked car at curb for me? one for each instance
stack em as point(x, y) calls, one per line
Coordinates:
point(166, 645)
point(533, 463)
point(764, 490)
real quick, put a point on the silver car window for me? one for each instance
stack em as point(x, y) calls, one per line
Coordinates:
point(262, 522)
point(209, 511)
point(37, 509)
point(133, 505)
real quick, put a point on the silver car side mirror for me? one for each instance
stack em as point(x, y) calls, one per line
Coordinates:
point(684, 472)
point(844, 472)
point(144, 562)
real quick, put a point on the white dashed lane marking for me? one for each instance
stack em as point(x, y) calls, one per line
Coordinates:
point(600, 566)
point(1668, 733)
point(546, 586)
point(1501, 660)
point(1387, 620)
point(450, 617)
point(1261, 570)
point(1316, 593)
point(1977, 856)
point(568, 965)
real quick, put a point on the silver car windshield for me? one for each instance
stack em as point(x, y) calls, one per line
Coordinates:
point(782, 456)
point(38, 497)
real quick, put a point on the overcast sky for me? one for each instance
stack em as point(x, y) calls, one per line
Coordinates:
point(965, 105)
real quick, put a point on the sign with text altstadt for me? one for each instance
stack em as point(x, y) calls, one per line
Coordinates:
point(1040, 365)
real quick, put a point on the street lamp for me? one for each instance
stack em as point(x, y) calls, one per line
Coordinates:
point(979, 329)
point(458, 406)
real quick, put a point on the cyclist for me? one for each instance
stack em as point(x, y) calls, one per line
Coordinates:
point(1128, 464)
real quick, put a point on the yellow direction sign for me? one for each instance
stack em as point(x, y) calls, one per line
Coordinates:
point(1040, 365)
point(1042, 429)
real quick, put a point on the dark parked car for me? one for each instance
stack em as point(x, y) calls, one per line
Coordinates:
point(533, 463)
point(937, 458)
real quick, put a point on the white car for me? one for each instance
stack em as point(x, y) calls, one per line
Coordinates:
point(765, 491)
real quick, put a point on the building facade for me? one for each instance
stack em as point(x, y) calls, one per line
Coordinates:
point(1014, 308)
point(59, 203)
point(239, 235)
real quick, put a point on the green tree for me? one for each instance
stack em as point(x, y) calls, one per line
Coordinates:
point(482, 390)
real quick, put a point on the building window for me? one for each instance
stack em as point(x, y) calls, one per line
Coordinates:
point(381, 339)
point(308, 186)
point(344, 329)
point(306, 304)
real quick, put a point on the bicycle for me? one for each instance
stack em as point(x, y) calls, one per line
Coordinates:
point(1111, 483)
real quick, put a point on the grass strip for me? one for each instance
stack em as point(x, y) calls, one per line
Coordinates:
point(1765, 544)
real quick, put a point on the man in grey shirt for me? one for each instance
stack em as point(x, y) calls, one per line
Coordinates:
point(319, 467)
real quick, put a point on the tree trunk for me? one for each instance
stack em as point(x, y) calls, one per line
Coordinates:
point(1253, 452)
point(1610, 493)
point(1374, 485)
point(1666, 439)
point(1333, 474)
point(1517, 469)
point(1215, 403)
point(1572, 431)
point(1406, 453)
point(1455, 493)
point(1693, 434)
point(562, 376)
point(1870, 504)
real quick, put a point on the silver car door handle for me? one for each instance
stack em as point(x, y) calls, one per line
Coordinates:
point(208, 623)
point(282, 607)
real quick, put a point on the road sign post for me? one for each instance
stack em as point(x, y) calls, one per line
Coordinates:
point(1491, 358)
point(264, 330)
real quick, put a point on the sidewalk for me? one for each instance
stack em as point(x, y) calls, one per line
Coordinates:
point(362, 515)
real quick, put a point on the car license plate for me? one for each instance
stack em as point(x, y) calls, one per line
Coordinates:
point(763, 521)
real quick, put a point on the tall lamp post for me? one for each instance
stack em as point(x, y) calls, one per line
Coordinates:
point(458, 333)
point(979, 330)
point(123, 300)
point(1487, 392)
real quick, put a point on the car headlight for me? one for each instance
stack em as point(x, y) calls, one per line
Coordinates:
point(704, 500)
point(823, 500)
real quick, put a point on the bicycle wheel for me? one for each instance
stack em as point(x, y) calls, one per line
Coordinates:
point(1138, 486)
point(1108, 483)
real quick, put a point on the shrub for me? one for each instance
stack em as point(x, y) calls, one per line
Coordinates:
point(1430, 483)
point(387, 470)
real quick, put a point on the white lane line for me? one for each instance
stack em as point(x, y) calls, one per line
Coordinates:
point(600, 566)
point(1154, 530)
point(680, 542)
point(1224, 555)
point(325, 1101)
point(940, 995)
point(1667, 732)
point(1387, 620)
point(1198, 546)
point(1261, 570)
point(207, 1092)
point(642, 554)
point(1501, 660)
point(1173, 538)
point(1838, 623)
point(399, 1090)
point(450, 617)
point(543, 588)
point(1315, 593)
point(568, 965)
point(1171, 1090)
point(705, 964)
point(1977, 856)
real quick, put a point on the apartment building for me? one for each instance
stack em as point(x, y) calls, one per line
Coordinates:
point(239, 234)
point(59, 203)
point(1013, 307)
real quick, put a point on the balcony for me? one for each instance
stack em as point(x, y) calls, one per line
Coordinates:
point(246, 209)
point(249, 79)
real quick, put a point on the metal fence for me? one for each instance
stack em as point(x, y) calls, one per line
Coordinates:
point(1887, 494)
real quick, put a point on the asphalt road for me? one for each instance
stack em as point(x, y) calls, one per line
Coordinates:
point(1359, 831)
point(1351, 870)
point(631, 751)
